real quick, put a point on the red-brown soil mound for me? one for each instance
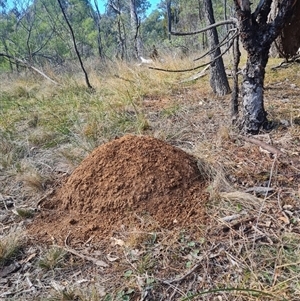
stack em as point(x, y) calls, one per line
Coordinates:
point(122, 183)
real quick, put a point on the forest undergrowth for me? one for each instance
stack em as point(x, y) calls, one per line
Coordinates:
point(249, 250)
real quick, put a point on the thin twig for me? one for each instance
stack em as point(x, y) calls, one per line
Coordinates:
point(198, 67)
point(282, 210)
point(193, 269)
point(233, 21)
point(264, 200)
point(44, 197)
point(222, 43)
point(88, 258)
point(96, 261)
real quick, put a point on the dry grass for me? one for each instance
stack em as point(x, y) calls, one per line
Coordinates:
point(53, 258)
point(249, 250)
point(10, 246)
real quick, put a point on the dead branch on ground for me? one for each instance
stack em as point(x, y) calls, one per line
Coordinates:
point(27, 65)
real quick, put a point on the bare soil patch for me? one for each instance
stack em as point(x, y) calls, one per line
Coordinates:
point(124, 183)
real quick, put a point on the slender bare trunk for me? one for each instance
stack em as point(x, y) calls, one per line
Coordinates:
point(75, 46)
point(135, 26)
point(218, 78)
point(169, 16)
point(98, 23)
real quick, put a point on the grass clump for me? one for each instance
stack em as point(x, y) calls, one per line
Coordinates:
point(70, 294)
point(33, 180)
point(53, 258)
point(10, 246)
point(25, 213)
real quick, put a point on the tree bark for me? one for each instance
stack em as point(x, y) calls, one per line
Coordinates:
point(288, 41)
point(97, 18)
point(235, 90)
point(254, 112)
point(257, 36)
point(169, 16)
point(122, 47)
point(135, 35)
point(218, 79)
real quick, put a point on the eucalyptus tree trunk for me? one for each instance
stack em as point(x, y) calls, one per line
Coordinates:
point(235, 89)
point(257, 36)
point(218, 79)
point(97, 19)
point(288, 42)
point(169, 17)
point(135, 30)
point(121, 37)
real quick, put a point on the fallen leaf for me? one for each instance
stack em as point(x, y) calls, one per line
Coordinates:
point(118, 242)
point(284, 219)
point(111, 258)
point(100, 263)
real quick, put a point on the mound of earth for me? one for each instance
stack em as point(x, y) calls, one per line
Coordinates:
point(121, 184)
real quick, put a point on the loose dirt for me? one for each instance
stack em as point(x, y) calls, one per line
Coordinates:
point(130, 182)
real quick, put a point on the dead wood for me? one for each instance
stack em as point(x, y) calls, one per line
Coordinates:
point(262, 144)
point(27, 65)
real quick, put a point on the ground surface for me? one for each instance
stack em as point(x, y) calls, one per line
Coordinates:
point(178, 205)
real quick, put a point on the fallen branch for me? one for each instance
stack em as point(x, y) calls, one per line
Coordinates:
point(263, 145)
point(196, 76)
point(27, 65)
point(230, 218)
point(96, 261)
point(260, 189)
